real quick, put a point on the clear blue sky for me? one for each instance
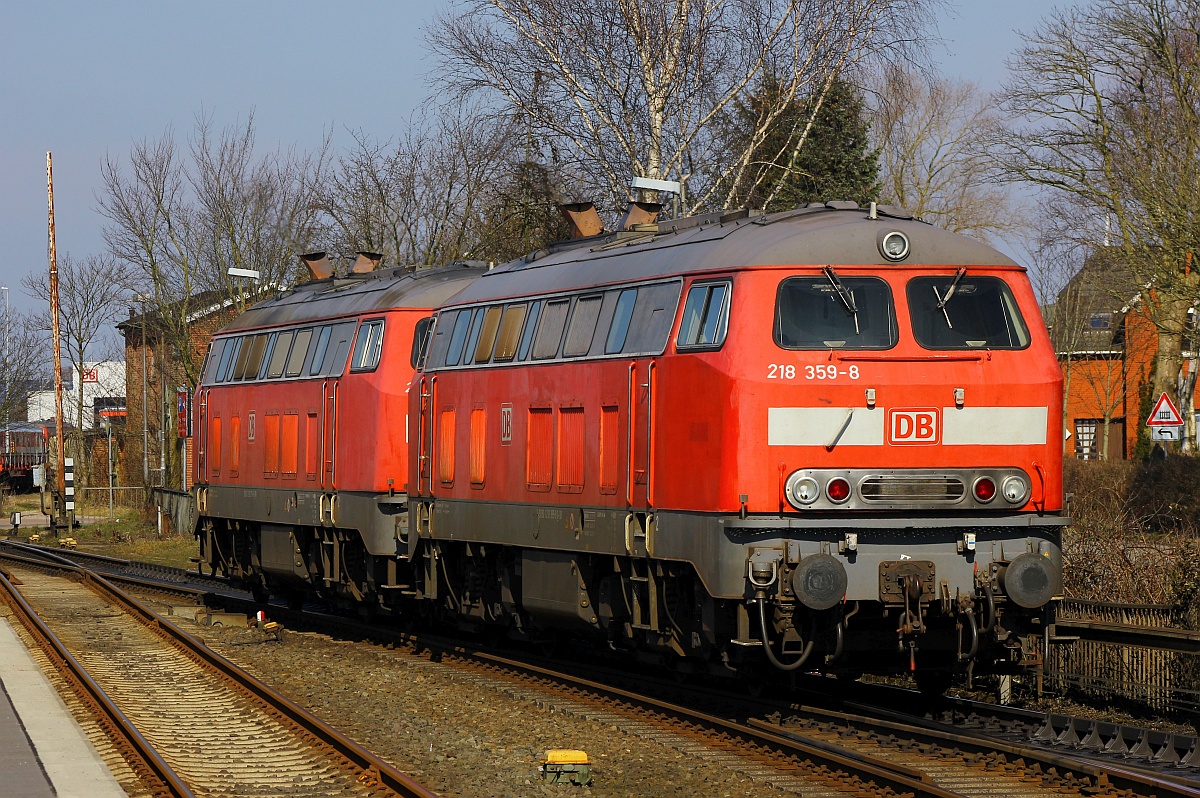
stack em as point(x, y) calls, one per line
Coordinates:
point(87, 79)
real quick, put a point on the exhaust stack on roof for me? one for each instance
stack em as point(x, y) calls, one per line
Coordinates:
point(583, 218)
point(365, 262)
point(639, 213)
point(318, 265)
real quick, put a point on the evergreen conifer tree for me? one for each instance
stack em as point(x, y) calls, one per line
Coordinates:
point(834, 162)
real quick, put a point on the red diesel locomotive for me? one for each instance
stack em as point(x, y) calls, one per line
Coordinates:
point(821, 439)
point(300, 431)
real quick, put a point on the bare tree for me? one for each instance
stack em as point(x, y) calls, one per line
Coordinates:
point(418, 200)
point(933, 161)
point(181, 221)
point(627, 88)
point(1103, 108)
point(251, 211)
point(91, 295)
point(1055, 265)
point(23, 364)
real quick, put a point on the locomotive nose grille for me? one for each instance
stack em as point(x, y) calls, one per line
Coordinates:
point(914, 488)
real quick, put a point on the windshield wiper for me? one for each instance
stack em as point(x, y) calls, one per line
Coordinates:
point(844, 294)
point(950, 289)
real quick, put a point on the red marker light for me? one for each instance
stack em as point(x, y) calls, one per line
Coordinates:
point(838, 490)
point(985, 489)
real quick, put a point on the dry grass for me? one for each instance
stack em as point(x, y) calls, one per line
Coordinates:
point(1134, 528)
point(132, 533)
point(174, 550)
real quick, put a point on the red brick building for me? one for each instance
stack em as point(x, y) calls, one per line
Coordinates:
point(154, 455)
point(1103, 387)
point(1106, 345)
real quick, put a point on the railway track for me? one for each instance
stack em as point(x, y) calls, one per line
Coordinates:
point(187, 721)
point(954, 763)
point(1170, 755)
point(865, 750)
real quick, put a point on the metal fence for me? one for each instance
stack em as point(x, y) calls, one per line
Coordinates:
point(1136, 654)
point(178, 507)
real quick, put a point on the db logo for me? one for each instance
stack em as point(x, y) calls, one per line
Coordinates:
point(911, 426)
point(506, 424)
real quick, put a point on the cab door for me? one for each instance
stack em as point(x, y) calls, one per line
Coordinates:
point(424, 465)
point(334, 350)
point(640, 435)
point(329, 389)
point(202, 435)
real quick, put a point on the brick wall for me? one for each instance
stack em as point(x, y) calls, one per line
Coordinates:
point(1110, 384)
point(161, 375)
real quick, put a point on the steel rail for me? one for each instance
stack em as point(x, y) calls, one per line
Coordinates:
point(92, 693)
point(1141, 779)
point(900, 779)
point(386, 774)
point(111, 564)
point(37, 556)
point(933, 732)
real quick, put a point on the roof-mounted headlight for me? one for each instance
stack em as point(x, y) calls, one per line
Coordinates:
point(893, 245)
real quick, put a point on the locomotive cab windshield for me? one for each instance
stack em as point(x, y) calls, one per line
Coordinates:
point(972, 313)
point(812, 313)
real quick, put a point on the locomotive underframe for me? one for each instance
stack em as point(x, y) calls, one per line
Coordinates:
point(916, 595)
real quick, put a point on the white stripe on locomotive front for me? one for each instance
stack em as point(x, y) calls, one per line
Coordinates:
point(994, 426)
point(817, 426)
point(968, 426)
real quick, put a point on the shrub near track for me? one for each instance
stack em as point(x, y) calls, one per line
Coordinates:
point(1134, 536)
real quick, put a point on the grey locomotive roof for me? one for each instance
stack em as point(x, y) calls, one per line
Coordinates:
point(346, 296)
point(813, 235)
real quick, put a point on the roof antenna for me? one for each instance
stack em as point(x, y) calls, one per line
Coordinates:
point(669, 186)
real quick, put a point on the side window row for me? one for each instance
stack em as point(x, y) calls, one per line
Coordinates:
point(318, 351)
point(622, 321)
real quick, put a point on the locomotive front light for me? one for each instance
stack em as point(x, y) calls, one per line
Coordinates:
point(802, 490)
point(1015, 490)
point(894, 245)
point(838, 490)
point(984, 490)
